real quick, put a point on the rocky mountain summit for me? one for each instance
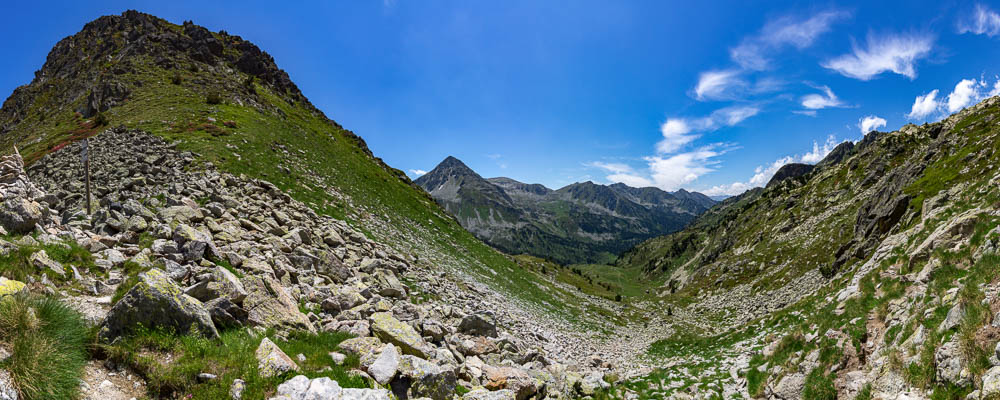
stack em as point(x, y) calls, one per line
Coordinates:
point(579, 223)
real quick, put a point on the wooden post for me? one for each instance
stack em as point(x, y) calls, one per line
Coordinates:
point(86, 167)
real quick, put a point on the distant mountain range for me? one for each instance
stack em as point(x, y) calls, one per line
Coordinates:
point(580, 223)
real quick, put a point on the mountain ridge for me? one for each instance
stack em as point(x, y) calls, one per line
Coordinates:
point(578, 223)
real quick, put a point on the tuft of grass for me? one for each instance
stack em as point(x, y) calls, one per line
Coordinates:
point(171, 363)
point(48, 341)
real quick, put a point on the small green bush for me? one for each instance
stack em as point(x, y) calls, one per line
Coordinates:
point(213, 98)
point(100, 119)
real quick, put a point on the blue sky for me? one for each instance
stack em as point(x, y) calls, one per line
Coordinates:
point(710, 97)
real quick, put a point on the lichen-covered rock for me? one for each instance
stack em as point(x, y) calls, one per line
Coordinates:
point(268, 305)
point(9, 287)
point(272, 361)
point(156, 302)
point(425, 379)
point(391, 330)
point(360, 346)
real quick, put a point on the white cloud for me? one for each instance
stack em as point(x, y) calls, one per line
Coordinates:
point(754, 52)
point(895, 53)
point(924, 105)
point(964, 94)
point(615, 168)
point(676, 133)
point(671, 172)
point(870, 123)
point(817, 101)
point(718, 85)
point(763, 173)
point(811, 113)
point(735, 114)
point(418, 172)
point(967, 92)
point(630, 179)
point(983, 21)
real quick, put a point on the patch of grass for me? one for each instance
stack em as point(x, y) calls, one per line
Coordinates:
point(48, 341)
point(16, 265)
point(171, 363)
point(819, 385)
point(755, 378)
point(865, 393)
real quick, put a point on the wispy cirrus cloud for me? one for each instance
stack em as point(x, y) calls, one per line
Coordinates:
point(755, 52)
point(816, 101)
point(719, 85)
point(897, 53)
point(982, 21)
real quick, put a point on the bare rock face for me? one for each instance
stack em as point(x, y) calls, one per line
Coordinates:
point(156, 302)
point(20, 211)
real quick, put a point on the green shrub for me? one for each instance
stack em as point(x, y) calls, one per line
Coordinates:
point(213, 98)
point(100, 119)
point(48, 341)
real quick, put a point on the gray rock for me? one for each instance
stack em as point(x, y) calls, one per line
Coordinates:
point(950, 365)
point(270, 306)
point(991, 382)
point(41, 260)
point(156, 302)
point(480, 324)
point(294, 388)
point(790, 387)
point(322, 388)
point(272, 361)
point(7, 390)
point(364, 394)
point(483, 394)
point(426, 379)
point(383, 369)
